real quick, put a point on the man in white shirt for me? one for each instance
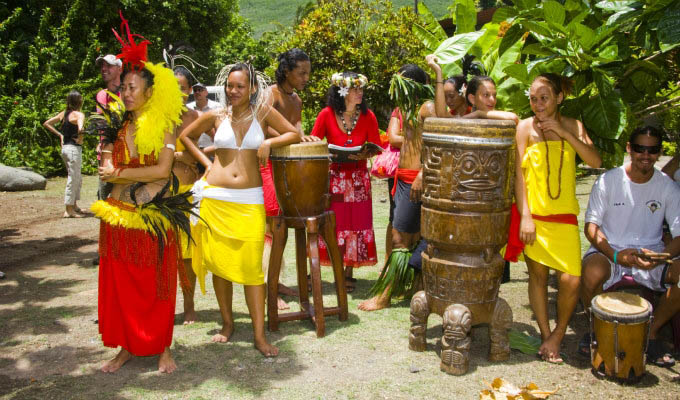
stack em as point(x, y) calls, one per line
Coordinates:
point(202, 103)
point(624, 224)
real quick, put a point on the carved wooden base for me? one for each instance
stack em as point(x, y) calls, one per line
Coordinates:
point(457, 322)
point(305, 245)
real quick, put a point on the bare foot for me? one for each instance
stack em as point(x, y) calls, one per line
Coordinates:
point(72, 215)
point(224, 334)
point(286, 291)
point(165, 362)
point(550, 350)
point(267, 349)
point(116, 362)
point(281, 305)
point(190, 316)
point(374, 303)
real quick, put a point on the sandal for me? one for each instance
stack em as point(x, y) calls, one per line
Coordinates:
point(584, 345)
point(657, 355)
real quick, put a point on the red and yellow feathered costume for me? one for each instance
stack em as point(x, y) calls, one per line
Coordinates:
point(138, 244)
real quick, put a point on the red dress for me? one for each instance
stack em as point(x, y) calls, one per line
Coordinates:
point(137, 286)
point(350, 188)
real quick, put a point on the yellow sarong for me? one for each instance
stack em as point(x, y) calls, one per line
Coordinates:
point(557, 245)
point(231, 244)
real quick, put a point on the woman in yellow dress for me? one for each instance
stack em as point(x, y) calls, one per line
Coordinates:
point(547, 144)
point(230, 235)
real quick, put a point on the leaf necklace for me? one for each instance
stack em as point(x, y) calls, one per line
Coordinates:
point(547, 163)
point(355, 118)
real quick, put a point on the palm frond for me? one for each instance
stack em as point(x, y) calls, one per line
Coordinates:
point(408, 94)
point(397, 277)
point(163, 212)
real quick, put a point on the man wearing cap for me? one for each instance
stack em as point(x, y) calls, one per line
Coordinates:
point(202, 103)
point(110, 68)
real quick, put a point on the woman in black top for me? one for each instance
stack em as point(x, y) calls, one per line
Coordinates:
point(71, 137)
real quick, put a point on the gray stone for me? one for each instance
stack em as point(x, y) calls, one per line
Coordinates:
point(15, 180)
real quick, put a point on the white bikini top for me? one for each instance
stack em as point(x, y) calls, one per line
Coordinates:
point(225, 138)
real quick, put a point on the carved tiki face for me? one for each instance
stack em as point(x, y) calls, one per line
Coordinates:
point(457, 322)
point(479, 173)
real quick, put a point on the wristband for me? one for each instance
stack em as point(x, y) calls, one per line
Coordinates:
point(616, 253)
point(170, 146)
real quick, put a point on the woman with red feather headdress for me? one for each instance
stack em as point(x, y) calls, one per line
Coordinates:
point(140, 222)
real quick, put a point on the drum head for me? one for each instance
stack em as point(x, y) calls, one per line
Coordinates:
point(301, 150)
point(622, 307)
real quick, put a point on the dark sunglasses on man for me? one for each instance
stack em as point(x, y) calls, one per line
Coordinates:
point(638, 148)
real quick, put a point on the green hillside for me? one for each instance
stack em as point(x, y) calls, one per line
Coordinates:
point(265, 15)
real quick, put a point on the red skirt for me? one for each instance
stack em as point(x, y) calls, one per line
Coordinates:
point(271, 205)
point(350, 188)
point(136, 291)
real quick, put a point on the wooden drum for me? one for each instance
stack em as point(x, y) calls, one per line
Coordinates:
point(301, 179)
point(620, 328)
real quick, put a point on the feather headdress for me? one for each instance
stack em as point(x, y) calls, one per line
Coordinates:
point(133, 54)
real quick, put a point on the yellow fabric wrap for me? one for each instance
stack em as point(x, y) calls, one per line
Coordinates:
point(185, 245)
point(232, 246)
point(557, 245)
point(133, 219)
point(161, 113)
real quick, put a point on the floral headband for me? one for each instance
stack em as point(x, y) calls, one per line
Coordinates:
point(346, 82)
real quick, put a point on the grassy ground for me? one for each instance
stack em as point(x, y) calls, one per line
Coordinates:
point(50, 347)
point(266, 15)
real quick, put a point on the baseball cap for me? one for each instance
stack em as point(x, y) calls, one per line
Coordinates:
point(200, 85)
point(110, 59)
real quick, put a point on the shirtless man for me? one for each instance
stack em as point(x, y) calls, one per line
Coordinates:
point(292, 74)
point(408, 185)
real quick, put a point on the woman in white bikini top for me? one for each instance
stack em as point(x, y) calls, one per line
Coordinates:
point(230, 237)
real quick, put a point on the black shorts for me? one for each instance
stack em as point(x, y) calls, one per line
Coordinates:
point(416, 260)
point(406, 213)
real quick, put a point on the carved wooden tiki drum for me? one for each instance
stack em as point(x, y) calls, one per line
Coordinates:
point(468, 179)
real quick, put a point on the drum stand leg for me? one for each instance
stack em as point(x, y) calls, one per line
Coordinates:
point(306, 245)
point(312, 245)
point(328, 234)
point(279, 238)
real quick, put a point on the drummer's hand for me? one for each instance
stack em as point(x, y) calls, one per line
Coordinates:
point(417, 188)
point(310, 138)
point(527, 230)
point(644, 262)
point(263, 152)
point(628, 257)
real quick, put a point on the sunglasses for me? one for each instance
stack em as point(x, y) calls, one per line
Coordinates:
point(638, 148)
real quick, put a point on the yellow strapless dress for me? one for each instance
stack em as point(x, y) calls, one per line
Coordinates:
point(557, 245)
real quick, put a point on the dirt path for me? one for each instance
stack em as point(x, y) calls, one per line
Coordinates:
point(50, 346)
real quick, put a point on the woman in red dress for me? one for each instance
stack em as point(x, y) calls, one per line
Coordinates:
point(348, 122)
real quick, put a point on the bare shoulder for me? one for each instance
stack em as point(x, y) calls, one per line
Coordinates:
point(427, 110)
point(192, 115)
point(524, 125)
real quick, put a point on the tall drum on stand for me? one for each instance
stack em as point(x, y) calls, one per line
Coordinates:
point(301, 180)
point(468, 181)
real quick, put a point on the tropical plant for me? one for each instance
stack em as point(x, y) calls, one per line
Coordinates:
point(616, 52)
point(368, 37)
point(48, 48)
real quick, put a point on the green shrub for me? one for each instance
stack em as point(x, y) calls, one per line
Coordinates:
point(368, 37)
